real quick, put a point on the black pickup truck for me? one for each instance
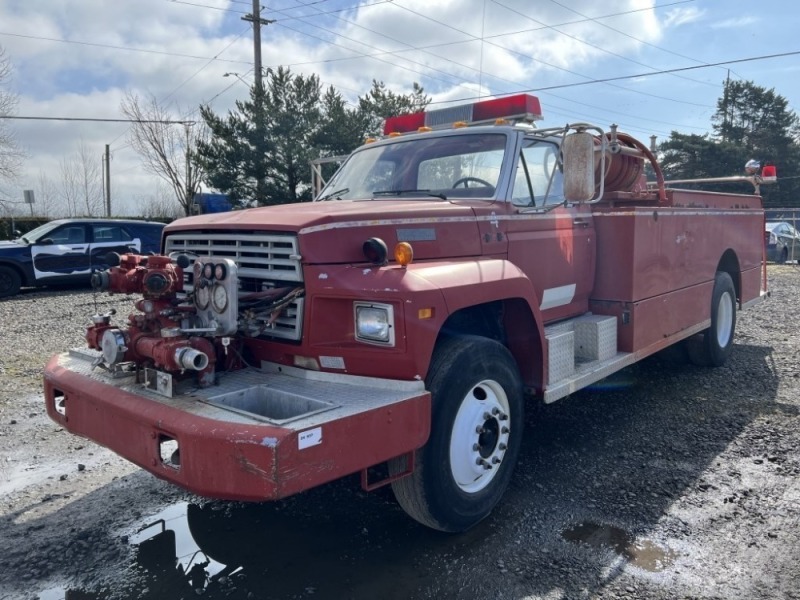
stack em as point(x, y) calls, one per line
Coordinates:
point(69, 250)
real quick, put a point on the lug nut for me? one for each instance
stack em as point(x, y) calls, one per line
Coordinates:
point(479, 429)
point(502, 446)
point(486, 416)
point(504, 430)
point(495, 410)
point(495, 460)
point(475, 447)
point(504, 417)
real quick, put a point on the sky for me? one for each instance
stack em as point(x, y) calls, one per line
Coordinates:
point(597, 62)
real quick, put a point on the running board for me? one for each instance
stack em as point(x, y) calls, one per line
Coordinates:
point(586, 374)
point(581, 351)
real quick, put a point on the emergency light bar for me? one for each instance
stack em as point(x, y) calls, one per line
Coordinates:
point(520, 107)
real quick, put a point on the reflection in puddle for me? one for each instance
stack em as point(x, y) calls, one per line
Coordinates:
point(313, 544)
point(640, 553)
point(230, 550)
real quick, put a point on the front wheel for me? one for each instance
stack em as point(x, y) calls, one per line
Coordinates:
point(10, 282)
point(715, 343)
point(476, 430)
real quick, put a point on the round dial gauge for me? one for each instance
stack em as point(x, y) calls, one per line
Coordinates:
point(219, 298)
point(220, 272)
point(202, 296)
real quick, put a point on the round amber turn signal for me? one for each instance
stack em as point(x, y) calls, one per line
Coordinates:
point(403, 253)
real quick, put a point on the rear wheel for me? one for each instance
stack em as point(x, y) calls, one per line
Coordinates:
point(10, 282)
point(713, 346)
point(476, 429)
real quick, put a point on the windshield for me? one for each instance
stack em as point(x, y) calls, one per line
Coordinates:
point(454, 166)
point(35, 234)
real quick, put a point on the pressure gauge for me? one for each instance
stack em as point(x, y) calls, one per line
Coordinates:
point(208, 270)
point(220, 272)
point(202, 296)
point(219, 297)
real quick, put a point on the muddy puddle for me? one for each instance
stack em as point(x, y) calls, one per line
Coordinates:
point(281, 550)
point(638, 552)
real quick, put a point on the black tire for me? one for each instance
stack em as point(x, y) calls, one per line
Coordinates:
point(477, 416)
point(10, 282)
point(712, 347)
point(784, 256)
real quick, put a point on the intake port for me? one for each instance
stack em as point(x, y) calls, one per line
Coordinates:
point(169, 451)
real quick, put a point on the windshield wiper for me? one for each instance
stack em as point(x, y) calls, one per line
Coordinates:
point(411, 191)
point(337, 194)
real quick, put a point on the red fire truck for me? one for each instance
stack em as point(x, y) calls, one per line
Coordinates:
point(465, 264)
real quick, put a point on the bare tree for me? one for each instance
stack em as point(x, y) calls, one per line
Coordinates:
point(81, 184)
point(47, 201)
point(10, 155)
point(90, 180)
point(165, 147)
point(159, 205)
point(70, 188)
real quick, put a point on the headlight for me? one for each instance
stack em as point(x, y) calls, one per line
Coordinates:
point(374, 323)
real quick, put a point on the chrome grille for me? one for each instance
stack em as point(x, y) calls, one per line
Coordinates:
point(265, 260)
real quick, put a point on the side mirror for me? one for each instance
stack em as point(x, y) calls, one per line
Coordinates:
point(578, 150)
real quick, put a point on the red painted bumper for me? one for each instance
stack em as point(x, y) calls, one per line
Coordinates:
point(229, 454)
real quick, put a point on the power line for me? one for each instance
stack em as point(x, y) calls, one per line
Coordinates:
point(113, 47)
point(626, 34)
point(99, 120)
point(533, 58)
point(591, 45)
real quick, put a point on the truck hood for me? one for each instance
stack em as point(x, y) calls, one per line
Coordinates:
point(334, 231)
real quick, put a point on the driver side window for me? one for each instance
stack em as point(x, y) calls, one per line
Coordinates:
point(522, 194)
point(69, 235)
point(539, 180)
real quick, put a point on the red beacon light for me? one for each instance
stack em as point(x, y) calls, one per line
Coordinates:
point(518, 108)
point(769, 173)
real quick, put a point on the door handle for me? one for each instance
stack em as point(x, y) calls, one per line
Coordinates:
point(578, 222)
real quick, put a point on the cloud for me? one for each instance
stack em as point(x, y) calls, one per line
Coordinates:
point(737, 22)
point(179, 54)
point(683, 16)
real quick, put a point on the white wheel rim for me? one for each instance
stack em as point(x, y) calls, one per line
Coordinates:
point(480, 436)
point(724, 320)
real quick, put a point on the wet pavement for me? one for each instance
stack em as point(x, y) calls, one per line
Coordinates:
point(619, 492)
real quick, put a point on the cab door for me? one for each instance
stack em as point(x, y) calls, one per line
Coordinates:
point(62, 255)
point(551, 241)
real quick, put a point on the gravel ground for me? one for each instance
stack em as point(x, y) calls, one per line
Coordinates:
point(666, 481)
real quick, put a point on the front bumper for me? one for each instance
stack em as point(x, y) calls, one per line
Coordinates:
point(261, 434)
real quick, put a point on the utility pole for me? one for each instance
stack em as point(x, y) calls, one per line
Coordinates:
point(257, 22)
point(189, 182)
point(107, 165)
point(258, 96)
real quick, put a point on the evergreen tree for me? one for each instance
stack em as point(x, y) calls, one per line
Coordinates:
point(261, 151)
point(751, 122)
point(380, 103)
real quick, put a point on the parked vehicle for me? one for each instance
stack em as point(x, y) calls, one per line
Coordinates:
point(70, 250)
point(783, 242)
point(448, 275)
